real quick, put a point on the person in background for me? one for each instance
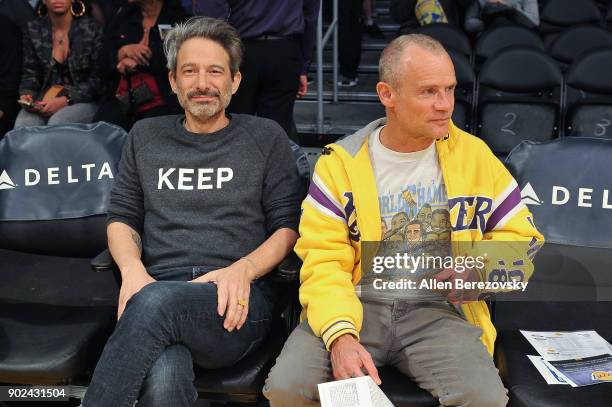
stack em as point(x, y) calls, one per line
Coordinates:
point(404, 12)
point(10, 71)
point(488, 13)
point(60, 51)
point(369, 25)
point(134, 64)
point(104, 10)
point(279, 40)
point(349, 41)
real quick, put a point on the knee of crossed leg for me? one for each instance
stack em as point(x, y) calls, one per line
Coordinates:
point(154, 300)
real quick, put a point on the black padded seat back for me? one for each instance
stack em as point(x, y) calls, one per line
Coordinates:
point(565, 184)
point(55, 184)
point(519, 98)
point(575, 41)
point(557, 14)
point(494, 40)
point(450, 36)
point(589, 95)
point(464, 92)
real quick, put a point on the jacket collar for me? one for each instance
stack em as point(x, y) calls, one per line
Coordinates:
point(352, 143)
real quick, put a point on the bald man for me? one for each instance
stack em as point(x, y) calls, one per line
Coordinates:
point(439, 339)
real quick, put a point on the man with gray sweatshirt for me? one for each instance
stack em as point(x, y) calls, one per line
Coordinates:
point(204, 206)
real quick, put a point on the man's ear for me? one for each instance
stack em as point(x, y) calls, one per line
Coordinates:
point(385, 94)
point(236, 82)
point(172, 81)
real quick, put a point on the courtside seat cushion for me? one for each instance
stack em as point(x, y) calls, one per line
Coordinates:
point(55, 316)
point(54, 280)
point(498, 38)
point(577, 40)
point(521, 69)
point(41, 343)
point(248, 375)
point(526, 385)
point(450, 36)
point(505, 125)
point(591, 72)
point(569, 12)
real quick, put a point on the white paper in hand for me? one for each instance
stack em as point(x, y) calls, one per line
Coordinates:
point(356, 392)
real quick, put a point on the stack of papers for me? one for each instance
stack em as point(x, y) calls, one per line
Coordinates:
point(356, 392)
point(579, 358)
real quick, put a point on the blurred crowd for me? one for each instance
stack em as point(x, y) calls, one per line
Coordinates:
point(79, 61)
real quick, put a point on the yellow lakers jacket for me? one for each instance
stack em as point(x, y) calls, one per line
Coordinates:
point(342, 210)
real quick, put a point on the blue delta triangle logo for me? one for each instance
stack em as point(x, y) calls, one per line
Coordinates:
point(5, 181)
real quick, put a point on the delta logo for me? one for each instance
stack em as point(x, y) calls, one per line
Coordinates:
point(5, 181)
point(58, 175)
point(559, 195)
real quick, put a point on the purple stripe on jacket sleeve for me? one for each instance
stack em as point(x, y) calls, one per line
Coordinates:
point(320, 197)
point(502, 210)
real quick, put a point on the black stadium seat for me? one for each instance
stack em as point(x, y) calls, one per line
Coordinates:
point(519, 98)
point(589, 95)
point(464, 93)
point(556, 15)
point(55, 313)
point(498, 38)
point(565, 182)
point(575, 41)
point(450, 36)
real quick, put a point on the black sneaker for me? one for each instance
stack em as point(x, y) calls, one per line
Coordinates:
point(348, 82)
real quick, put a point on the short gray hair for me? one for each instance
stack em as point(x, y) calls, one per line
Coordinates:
point(390, 59)
point(204, 27)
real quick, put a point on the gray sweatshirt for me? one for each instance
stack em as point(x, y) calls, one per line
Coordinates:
point(205, 199)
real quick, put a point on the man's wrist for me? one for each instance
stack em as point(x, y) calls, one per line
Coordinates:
point(251, 268)
point(342, 339)
point(131, 268)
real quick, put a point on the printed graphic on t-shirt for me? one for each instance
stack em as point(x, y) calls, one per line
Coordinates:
point(416, 214)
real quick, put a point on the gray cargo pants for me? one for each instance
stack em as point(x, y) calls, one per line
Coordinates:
point(429, 342)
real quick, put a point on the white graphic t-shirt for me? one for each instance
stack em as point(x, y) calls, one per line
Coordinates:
point(413, 212)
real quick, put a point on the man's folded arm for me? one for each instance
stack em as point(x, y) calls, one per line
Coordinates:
point(271, 252)
point(125, 246)
point(126, 210)
point(511, 239)
point(327, 291)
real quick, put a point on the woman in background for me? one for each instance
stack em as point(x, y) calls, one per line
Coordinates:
point(134, 64)
point(59, 79)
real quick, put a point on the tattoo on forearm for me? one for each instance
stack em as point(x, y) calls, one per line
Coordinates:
point(136, 239)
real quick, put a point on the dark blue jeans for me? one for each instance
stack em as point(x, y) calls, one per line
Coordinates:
point(165, 328)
